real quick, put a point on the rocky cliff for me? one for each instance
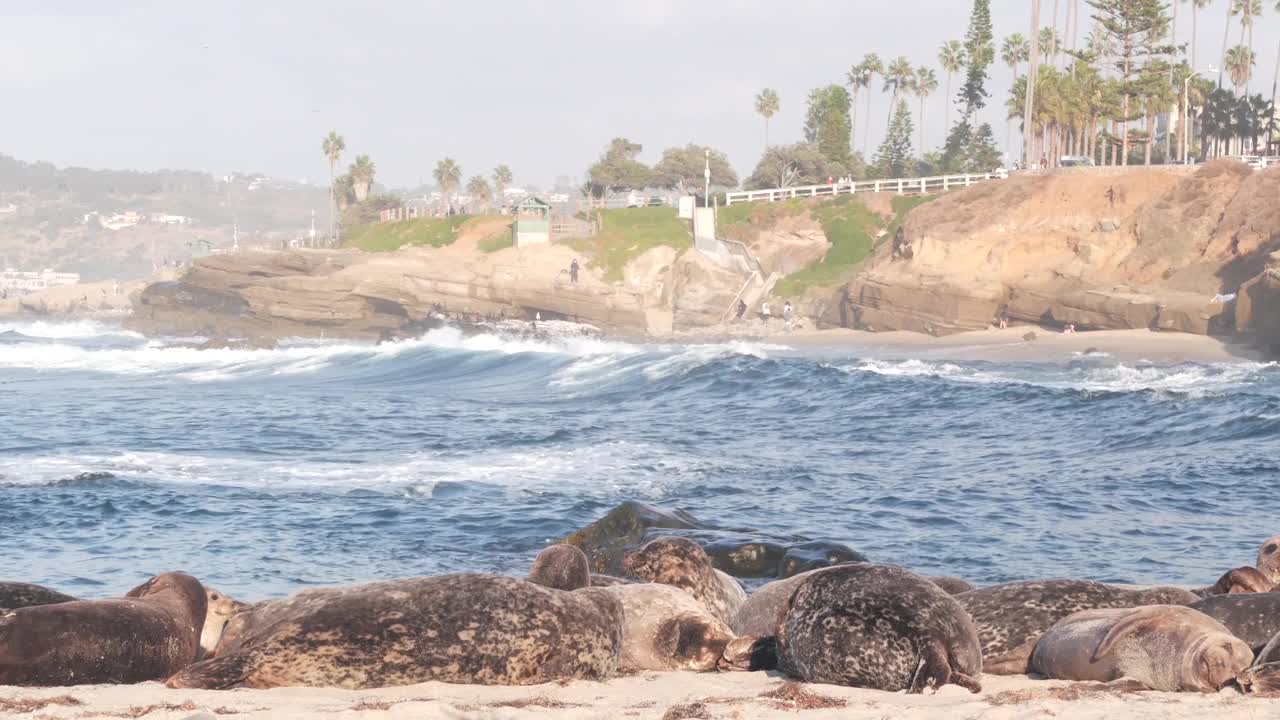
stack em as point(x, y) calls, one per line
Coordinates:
point(1099, 248)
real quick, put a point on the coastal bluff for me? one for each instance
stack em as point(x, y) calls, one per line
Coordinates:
point(1161, 248)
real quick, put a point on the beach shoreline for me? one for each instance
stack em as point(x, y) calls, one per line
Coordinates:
point(645, 696)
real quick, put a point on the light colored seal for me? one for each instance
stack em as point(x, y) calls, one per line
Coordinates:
point(1268, 562)
point(149, 634)
point(1010, 617)
point(561, 567)
point(665, 628)
point(465, 628)
point(220, 610)
point(14, 595)
point(1165, 647)
point(682, 563)
point(878, 626)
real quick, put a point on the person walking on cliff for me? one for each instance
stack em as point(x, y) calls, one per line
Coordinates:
point(573, 271)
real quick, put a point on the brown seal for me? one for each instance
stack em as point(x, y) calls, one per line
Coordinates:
point(151, 633)
point(1165, 647)
point(665, 628)
point(220, 610)
point(14, 595)
point(1241, 580)
point(465, 628)
point(878, 626)
point(683, 563)
point(1010, 617)
point(561, 567)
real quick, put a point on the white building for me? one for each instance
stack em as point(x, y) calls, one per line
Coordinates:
point(15, 282)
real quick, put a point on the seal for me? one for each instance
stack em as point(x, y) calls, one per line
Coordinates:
point(464, 628)
point(1165, 647)
point(14, 595)
point(220, 610)
point(665, 628)
point(1241, 580)
point(1268, 562)
point(761, 614)
point(682, 563)
point(151, 633)
point(1262, 678)
point(878, 626)
point(1252, 617)
point(1010, 617)
point(561, 567)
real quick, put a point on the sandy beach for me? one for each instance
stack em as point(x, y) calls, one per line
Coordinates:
point(1009, 344)
point(648, 696)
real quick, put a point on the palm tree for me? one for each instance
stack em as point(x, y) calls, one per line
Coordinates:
point(332, 145)
point(1231, 11)
point(898, 76)
point(361, 172)
point(951, 58)
point(501, 181)
point(1048, 41)
point(478, 189)
point(767, 106)
point(1196, 5)
point(1248, 10)
point(1240, 62)
point(1015, 51)
point(925, 84)
point(449, 177)
point(869, 68)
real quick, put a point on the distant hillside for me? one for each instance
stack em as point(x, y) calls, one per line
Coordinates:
point(43, 209)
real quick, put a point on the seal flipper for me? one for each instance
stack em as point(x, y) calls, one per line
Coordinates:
point(1015, 662)
point(1242, 580)
point(1128, 625)
point(220, 673)
point(750, 654)
point(932, 668)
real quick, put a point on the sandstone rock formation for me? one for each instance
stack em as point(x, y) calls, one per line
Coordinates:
point(1100, 248)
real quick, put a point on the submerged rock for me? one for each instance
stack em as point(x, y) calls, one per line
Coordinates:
point(743, 553)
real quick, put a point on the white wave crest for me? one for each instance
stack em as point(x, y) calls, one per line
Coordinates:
point(602, 469)
point(65, 330)
point(690, 357)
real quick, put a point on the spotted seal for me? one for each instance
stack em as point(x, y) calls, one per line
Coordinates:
point(1252, 617)
point(878, 626)
point(561, 567)
point(14, 595)
point(1165, 647)
point(149, 634)
point(465, 628)
point(665, 628)
point(683, 563)
point(220, 610)
point(1010, 617)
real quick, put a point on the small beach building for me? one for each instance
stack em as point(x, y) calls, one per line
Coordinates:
point(532, 224)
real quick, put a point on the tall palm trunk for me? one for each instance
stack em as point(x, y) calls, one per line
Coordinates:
point(1274, 80)
point(333, 202)
point(922, 126)
point(1053, 43)
point(866, 130)
point(1124, 120)
point(1194, 15)
point(853, 121)
point(1225, 30)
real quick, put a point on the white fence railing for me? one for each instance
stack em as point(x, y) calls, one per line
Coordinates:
point(901, 186)
point(1257, 162)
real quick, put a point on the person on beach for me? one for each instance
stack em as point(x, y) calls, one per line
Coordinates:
point(765, 313)
point(573, 271)
point(786, 315)
point(742, 309)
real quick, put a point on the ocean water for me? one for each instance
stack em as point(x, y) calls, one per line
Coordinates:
point(266, 471)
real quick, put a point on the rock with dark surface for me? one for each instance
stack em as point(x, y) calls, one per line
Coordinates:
point(743, 553)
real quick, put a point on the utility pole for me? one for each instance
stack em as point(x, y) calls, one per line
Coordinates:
point(1033, 71)
point(706, 177)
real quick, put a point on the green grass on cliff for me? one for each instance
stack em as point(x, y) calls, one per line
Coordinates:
point(385, 237)
point(853, 231)
point(627, 233)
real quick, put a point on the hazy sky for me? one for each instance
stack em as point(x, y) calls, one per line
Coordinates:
point(222, 85)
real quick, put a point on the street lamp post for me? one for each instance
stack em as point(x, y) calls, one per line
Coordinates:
point(706, 178)
point(1186, 114)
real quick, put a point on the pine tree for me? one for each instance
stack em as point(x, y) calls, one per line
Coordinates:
point(1136, 29)
point(828, 124)
point(980, 51)
point(893, 159)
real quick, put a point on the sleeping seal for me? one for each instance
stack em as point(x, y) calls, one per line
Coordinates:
point(14, 595)
point(1010, 617)
point(880, 627)
point(1165, 647)
point(665, 628)
point(683, 563)
point(148, 635)
point(464, 628)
